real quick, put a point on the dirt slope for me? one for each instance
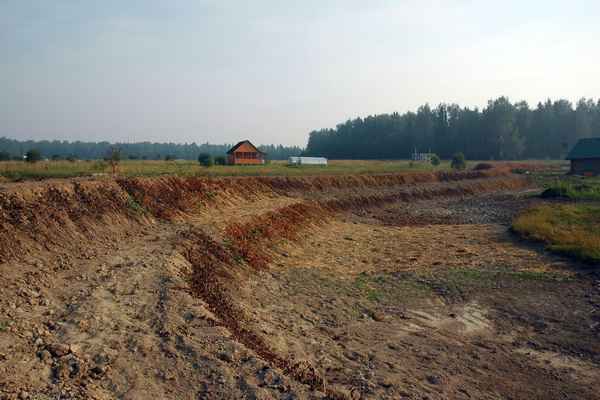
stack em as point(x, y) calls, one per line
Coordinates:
point(284, 288)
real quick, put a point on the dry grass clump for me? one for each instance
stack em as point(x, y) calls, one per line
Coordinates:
point(571, 229)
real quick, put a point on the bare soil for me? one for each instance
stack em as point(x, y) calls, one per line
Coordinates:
point(394, 290)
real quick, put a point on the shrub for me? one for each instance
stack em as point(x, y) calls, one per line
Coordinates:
point(458, 161)
point(72, 158)
point(482, 166)
point(206, 160)
point(33, 156)
point(435, 160)
point(169, 157)
point(220, 160)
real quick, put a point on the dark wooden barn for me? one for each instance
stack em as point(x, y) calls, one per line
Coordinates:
point(585, 157)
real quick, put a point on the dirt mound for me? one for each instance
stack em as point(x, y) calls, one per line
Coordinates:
point(173, 197)
point(61, 215)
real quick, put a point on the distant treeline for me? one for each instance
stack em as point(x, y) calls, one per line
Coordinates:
point(11, 148)
point(502, 130)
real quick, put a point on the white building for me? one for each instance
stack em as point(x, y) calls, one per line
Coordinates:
point(307, 161)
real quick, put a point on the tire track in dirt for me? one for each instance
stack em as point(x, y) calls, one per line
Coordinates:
point(210, 279)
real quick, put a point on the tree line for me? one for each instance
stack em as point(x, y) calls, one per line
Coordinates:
point(56, 149)
point(501, 130)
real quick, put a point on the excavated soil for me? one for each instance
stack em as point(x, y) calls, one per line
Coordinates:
point(368, 287)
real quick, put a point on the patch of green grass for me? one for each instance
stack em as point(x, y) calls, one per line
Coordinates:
point(134, 206)
point(40, 396)
point(568, 187)
point(3, 326)
point(370, 286)
point(584, 190)
point(361, 281)
point(569, 229)
point(460, 283)
point(385, 288)
point(374, 295)
point(487, 278)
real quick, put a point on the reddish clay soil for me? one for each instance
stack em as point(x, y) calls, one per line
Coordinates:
point(389, 287)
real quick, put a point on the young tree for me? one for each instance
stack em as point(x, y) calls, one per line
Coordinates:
point(435, 160)
point(206, 159)
point(458, 161)
point(33, 156)
point(220, 160)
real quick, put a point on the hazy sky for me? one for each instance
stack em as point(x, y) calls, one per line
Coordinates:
point(271, 71)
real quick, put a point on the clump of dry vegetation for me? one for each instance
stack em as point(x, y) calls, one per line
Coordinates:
point(572, 229)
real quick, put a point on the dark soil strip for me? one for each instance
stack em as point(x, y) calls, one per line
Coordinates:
point(211, 276)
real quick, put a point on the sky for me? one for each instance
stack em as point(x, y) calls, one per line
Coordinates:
point(271, 71)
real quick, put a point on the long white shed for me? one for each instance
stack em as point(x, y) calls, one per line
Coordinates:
point(307, 161)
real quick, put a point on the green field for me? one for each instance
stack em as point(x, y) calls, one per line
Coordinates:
point(18, 170)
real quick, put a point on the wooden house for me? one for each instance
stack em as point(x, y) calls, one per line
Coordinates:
point(245, 153)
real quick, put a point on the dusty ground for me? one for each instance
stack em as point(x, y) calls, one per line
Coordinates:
point(428, 299)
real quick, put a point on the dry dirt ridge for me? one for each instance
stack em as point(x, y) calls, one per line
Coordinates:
point(351, 287)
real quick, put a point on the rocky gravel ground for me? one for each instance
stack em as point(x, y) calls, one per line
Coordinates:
point(496, 208)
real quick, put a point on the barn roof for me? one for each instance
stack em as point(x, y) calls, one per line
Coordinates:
point(585, 148)
point(234, 148)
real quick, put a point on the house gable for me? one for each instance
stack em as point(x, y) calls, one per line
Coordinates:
point(244, 146)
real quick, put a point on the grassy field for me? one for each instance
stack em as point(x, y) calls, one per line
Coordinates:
point(571, 229)
point(18, 170)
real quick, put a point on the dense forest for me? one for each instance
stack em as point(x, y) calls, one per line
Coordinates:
point(11, 148)
point(502, 130)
